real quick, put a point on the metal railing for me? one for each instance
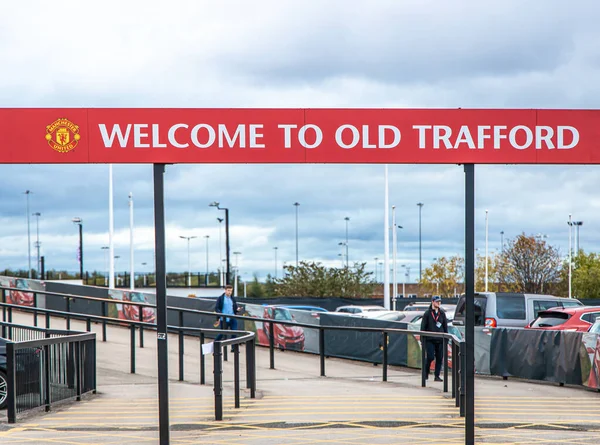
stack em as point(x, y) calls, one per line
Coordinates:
point(45, 366)
point(458, 345)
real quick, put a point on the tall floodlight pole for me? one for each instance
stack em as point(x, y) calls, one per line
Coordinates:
point(394, 253)
point(486, 250)
point(502, 241)
point(131, 270)
point(420, 204)
point(220, 268)
point(27, 193)
point(404, 281)
point(189, 274)
point(111, 229)
point(228, 266)
point(206, 277)
point(577, 224)
point(105, 248)
point(275, 248)
point(347, 219)
point(376, 270)
point(386, 245)
point(37, 242)
point(570, 253)
point(296, 204)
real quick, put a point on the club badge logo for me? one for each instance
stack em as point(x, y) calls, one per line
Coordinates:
point(62, 135)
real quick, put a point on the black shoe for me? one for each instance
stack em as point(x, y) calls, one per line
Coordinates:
point(437, 379)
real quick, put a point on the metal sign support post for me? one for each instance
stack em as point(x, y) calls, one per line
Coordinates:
point(470, 303)
point(161, 304)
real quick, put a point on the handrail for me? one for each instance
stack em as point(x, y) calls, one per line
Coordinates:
point(458, 344)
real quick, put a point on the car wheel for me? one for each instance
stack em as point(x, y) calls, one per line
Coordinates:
point(3, 390)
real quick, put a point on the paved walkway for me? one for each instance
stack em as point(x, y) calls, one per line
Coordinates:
point(296, 406)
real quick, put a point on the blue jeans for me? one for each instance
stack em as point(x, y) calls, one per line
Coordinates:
point(231, 325)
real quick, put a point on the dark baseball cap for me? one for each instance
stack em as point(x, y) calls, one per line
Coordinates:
point(436, 298)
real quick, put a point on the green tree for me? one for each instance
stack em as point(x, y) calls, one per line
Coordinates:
point(529, 265)
point(585, 274)
point(443, 276)
point(255, 290)
point(311, 279)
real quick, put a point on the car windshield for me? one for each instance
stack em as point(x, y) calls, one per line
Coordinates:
point(574, 303)
point(371, 309)
point(595, 329)
point(282, 314)
point(550, 320)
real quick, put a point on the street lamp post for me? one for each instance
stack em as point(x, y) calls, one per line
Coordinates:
point(37, 243)
point(189, 277)
point(376, 269)
point(237, 272)
point(394, 254)
point(206, 277)
point(79, 222)
point(342, 244)
point(420, 204)
point(297, 204)
point(227, 274)
point(131, 268)
point(27, 193)
point(502, 241)
point(486, 250)
point(347, 219)
point(570, 252)
point(220, 268)
point(275, 248)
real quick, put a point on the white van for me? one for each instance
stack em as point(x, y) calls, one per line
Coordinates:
point(508, 309)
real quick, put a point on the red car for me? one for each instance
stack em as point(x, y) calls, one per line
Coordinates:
point(285, 336)
point(576, 319)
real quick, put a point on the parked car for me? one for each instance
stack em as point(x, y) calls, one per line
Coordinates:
point(383, 315)
point(132, 312)
point(595, 328)
point(576, 319)
point(28, 371)
point(285, 336)
point(506, 309)
point(416, 307)
point(314, 310)
point(352, 309)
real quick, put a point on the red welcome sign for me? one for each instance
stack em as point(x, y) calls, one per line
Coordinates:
point(420, 136)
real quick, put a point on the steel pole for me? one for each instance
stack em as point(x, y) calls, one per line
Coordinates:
point(470, 304)
point(161, 304)
point(27, 193)
point(131, 270)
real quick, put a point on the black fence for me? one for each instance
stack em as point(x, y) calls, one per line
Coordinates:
point(46, 366)
point(176, 315)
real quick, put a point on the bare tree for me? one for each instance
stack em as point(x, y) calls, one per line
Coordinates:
point(529, 265)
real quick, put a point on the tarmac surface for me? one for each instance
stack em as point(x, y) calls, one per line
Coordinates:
point(294, 405)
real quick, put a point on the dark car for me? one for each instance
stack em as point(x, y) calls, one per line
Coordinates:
point(28, 372)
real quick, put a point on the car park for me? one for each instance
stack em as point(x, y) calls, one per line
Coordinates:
point(575, 319)
point(509, 309)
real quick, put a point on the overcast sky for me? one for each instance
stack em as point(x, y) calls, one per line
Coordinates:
point(388, 54)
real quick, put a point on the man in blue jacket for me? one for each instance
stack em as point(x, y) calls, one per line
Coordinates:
point(226, 305)
point(434, 320)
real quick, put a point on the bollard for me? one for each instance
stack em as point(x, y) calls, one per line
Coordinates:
point(454, 359)
point(35, 312)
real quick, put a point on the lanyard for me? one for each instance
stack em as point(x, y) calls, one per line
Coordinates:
point(435, 317)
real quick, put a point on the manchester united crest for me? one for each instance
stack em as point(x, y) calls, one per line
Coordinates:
point(62, 135)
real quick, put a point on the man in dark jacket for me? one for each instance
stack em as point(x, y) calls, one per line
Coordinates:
point(226, 305)
point(434, 320)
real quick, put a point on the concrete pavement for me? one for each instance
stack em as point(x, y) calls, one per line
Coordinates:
point(296, 406)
